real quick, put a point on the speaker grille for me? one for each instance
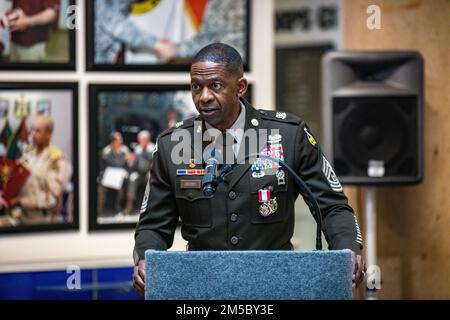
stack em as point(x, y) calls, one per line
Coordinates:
point(372, 107)
point(380, 129)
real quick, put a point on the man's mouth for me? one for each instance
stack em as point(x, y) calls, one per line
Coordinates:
point(209, 111)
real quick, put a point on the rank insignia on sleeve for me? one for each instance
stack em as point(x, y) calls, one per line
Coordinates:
point(310, 137)
point(332, 179)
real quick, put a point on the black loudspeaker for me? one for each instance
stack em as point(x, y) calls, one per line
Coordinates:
point(372, 107)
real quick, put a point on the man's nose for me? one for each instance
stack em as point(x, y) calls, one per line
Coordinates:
point(205, 96)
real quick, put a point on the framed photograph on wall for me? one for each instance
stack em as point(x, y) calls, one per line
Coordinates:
point(38, 157)
point(37, 35)
point(162, 35)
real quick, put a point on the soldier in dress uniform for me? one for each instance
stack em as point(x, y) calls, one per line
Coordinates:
point(253, 208)
point(113, 29)
point(40, 198)
point(223, 21)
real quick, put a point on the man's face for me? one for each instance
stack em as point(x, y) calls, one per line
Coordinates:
point(216, 93)
point(116, 143)
point(143, 141)
point(41, 135)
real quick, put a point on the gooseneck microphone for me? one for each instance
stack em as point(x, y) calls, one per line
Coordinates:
point(210, 179)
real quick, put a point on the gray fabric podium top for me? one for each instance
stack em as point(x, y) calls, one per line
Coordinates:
point(248, 275)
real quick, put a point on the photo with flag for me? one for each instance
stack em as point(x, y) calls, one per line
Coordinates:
point(165, 33)
point(38, 152)
point(17, 141)
point(4, 138)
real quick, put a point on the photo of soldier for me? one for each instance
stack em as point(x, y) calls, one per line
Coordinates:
point(36, 161)
point(140, 161)
point(114, 30)
point(114, 155)
point(39, 200)
point(222, 21)
point(161, 32)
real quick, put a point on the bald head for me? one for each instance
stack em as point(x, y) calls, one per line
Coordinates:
point(45, 122)
point(42, 131)
point(223, 54)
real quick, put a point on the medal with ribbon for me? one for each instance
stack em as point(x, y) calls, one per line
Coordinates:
point(268, 205)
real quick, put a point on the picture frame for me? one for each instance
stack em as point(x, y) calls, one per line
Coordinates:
point(38, 48)
point(189, 27)
point(39, 180)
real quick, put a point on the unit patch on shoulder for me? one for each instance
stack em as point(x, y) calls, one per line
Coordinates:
point(310, 137)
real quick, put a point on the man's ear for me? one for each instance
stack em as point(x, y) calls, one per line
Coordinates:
point(242, 87)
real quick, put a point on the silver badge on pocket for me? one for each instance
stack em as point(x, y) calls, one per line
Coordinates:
point(280, 177)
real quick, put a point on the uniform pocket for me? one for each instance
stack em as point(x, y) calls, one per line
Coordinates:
point(194, 207)
point(278, 195)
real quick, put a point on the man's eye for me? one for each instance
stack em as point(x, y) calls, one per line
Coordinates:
point(216, 85)
point(194, 86)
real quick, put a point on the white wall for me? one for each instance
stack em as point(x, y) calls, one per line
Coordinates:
point(56, 250)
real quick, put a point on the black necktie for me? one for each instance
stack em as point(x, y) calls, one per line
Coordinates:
point(227, 148)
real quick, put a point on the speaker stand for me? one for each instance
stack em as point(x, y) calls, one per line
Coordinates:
point(371, 234)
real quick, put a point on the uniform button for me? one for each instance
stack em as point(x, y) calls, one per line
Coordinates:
point(234, 240)
point(233, 217)
point(232, 195)
point(190, 195)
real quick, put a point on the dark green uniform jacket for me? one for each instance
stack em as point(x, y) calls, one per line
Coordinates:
point(232, 218)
